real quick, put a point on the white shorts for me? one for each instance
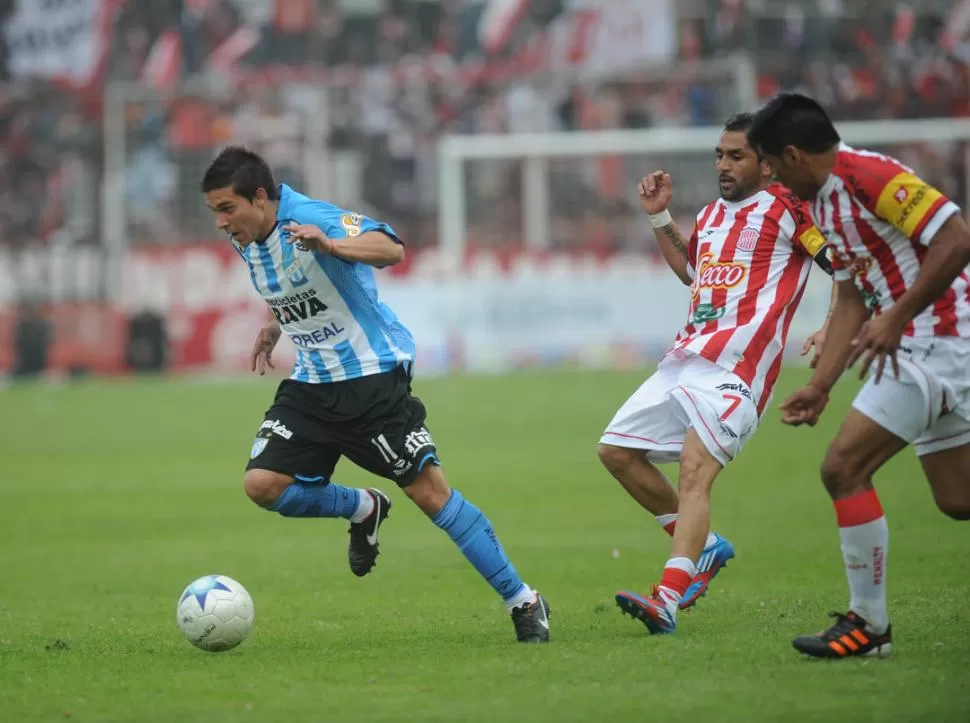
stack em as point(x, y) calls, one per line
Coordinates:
point(686, 391)
point(929, 405)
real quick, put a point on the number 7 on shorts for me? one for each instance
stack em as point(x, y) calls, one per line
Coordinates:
point(734, 400)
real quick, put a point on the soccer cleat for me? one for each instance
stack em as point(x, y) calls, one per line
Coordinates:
point(364, 546)
point(712, 559)
point(847, 638)
point(650, 611)
point(532, 621)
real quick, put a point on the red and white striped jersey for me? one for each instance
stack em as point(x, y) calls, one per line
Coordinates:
point(880, 218)
point(749, 261)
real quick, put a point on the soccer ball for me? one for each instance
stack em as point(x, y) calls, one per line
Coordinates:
point(216, 613)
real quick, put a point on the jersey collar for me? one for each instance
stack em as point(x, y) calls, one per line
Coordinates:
point(285, 194)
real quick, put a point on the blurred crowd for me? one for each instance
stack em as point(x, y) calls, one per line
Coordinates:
point(373, 83)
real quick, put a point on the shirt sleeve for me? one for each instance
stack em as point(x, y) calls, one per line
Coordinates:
point(339, 223)
point(896, 195)
point(806, 237)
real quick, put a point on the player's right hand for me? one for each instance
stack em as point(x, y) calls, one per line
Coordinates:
point(656, 190)
point(261, 357)
point(804, 406)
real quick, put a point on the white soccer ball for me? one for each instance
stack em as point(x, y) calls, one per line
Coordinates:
point(216, 613)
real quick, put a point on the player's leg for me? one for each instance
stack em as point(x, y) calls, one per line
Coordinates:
point(472, 532)
point(396, 444)
point(643, 481)
point(944, 453)
point(720, 425)
point(644, 426)
point(698, 470)
point(860, 448)
point(647, 429)
point(884, 419)
point(948, 473)
point(944, 449)
point(289, 473)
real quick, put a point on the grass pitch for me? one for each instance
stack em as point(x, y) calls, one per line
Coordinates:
point(116, 495)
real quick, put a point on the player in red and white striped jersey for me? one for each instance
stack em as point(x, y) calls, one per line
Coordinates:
point(903, 298)
point(746, 263)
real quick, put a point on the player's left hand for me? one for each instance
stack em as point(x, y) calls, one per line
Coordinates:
point(879, 338)
point(804, 406)
point(310, 236)
point(815, 341)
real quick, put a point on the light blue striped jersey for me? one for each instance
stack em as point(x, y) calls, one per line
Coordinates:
point(328, 307)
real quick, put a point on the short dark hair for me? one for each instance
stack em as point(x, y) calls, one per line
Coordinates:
point(739, 122)
point(792, 119)
point(242, 170)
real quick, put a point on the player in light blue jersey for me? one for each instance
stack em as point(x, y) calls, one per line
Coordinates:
point(350, 390)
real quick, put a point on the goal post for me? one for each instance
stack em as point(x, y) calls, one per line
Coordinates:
point(538, 152)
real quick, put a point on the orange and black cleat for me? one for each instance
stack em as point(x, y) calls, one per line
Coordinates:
point(847, 638)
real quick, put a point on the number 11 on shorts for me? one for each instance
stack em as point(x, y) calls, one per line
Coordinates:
point(733, 402)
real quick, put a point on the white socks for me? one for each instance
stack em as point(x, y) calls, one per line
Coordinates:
point(365, 505)
point(865, 547)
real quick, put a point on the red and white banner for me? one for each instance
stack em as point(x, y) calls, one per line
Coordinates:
point(62, 40)
point(613, 37)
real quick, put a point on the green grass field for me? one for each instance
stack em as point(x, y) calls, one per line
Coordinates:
point(116, 495)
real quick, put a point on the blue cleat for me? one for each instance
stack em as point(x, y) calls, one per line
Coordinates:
point(648, 610)
point(712, 559)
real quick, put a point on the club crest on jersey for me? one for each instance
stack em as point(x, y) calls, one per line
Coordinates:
point(351, 224)
point(717, 274)
point(748, 239)
point(294, 272)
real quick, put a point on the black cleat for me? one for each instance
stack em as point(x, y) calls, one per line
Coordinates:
point(847, 638)
point(532, 621)
point(364, 546)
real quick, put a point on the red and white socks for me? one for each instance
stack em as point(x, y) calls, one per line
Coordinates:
point(669, 523)
point(865, 546)
point(678, 573)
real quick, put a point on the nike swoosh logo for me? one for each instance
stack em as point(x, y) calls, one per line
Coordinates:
point(544, 620)
point(372, 537)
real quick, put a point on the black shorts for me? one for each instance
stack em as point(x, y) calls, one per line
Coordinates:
point(374, 421)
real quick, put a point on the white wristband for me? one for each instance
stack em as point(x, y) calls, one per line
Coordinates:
point(659, 220)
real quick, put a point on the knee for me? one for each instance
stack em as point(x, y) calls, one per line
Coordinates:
point(264, 487)
point(616, 459)
point(429, 490)
point(954, 509)
point(839, 475)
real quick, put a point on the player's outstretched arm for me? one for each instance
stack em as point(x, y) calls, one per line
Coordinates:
point(847, 318)
point(816, 340)
point(655, 191)
point(374, 248)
